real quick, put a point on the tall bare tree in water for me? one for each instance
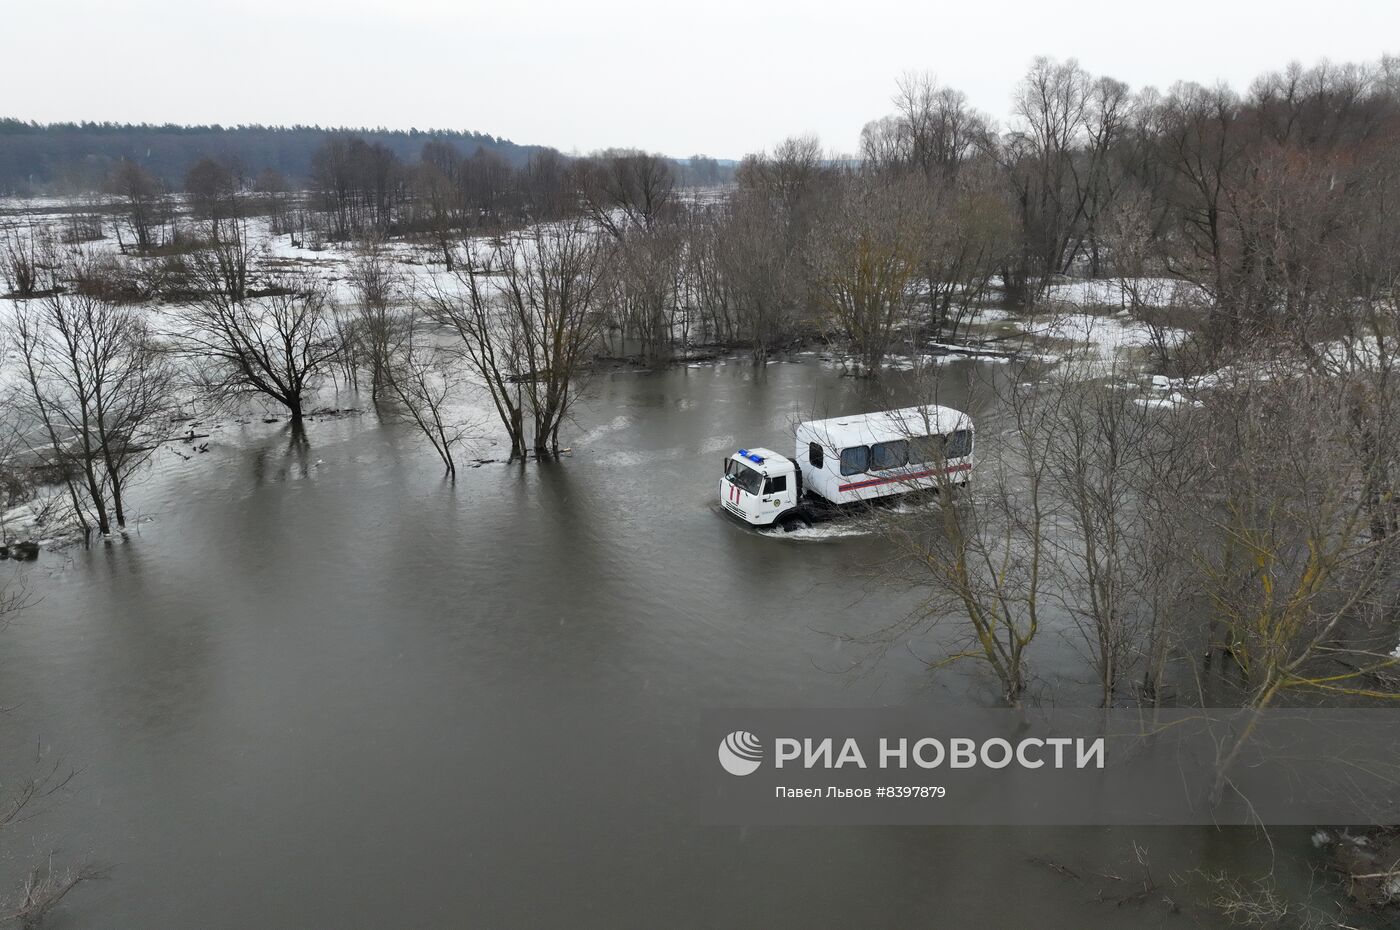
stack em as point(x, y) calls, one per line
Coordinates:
point(1297, 580)
point(1116, 471)
point(644, 283)
point(489, 341)
point(749, 261)
point(277, 346)
point(527, 316)
point(553, 284)
point(758, 275)
point(979, 559)
point(378, 286)
point(425, 386)
point(866, 259)
point(98, 387)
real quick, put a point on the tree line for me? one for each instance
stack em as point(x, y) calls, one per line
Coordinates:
point(77, 157)
point(1251, 216)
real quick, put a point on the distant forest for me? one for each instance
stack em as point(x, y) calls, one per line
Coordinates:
point(73, 157)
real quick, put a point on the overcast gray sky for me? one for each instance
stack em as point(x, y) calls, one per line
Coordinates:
point(723, 77)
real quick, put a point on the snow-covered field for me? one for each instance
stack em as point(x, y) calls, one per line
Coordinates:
point(1121, 293)
point(1105, 337)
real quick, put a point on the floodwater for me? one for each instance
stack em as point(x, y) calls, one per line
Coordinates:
point(323, 687)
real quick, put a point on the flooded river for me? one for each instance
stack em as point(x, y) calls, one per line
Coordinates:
point(322, 687)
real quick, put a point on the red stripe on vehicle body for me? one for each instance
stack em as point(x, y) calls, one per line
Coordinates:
point(911, 476)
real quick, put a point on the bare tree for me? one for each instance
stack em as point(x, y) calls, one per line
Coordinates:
point(529, 327)
point(545, 186)
point(706, 274)
point(422, 379)
point(762, 275)
point(981, 559)
point(553, 282)
point(379, 288)
point(791, 177)
point(1285, 556)
point(213, 191)
point(1159, 304)
point(274, 197)
point(435, 183)
point(967, 231)
point(143, 199)
point(1298, 596)
point(645, 284)
point(763, 251)
point(16, 484)
point(866, 259)
point(487, 185)
point(489, 340)
point(933, 130)
point(99, 387)
point(360, 184)
point(626, 189)
point(27, 262)
point(1054, 164)
point(44, 889)
point(1105, 466)
point(276, 346)
point(226, 265)
point(763, 266)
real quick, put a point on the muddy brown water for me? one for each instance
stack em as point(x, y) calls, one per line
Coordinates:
point(322, 687)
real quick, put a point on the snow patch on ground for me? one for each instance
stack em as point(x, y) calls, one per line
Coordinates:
point(1103, 335)
point(1168, 401)
point(1125, 292)
point(1366, 353)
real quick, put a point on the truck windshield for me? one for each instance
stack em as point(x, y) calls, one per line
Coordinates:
point(742, 475)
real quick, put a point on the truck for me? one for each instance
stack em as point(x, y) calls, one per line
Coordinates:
point(842, 462)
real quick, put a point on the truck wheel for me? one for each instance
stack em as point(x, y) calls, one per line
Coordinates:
point(792, 522)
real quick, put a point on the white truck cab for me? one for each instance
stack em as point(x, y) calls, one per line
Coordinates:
point(758, 485)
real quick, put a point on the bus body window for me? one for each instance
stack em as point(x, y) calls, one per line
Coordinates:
point(892, 454)
point(926, 449)
point(815, 456)
point(959, 444)
point(855, 460)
